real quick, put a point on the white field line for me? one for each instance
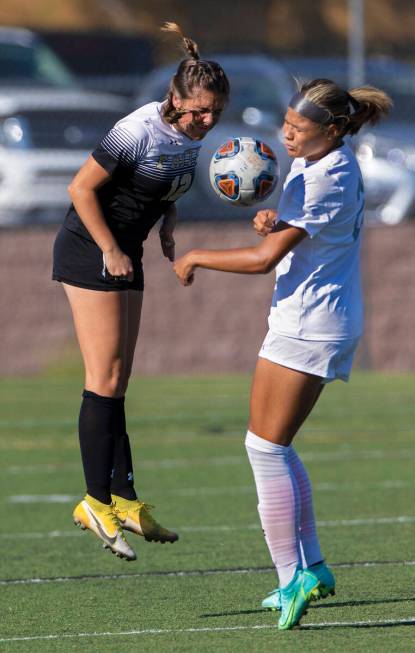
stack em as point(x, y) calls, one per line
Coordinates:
point(226, 528)
point(220, 461)
point(191, 572)
point(215, 491)
point(159, 631)
point(403, 519)
point(43, 468)
point(43, 498)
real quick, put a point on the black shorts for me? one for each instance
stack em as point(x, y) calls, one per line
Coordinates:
point(78, 261)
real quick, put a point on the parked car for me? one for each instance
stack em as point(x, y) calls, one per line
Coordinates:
point(386, 152)
point(48, 126)
point(112, 62)
point(260, 91)
point(25, 60)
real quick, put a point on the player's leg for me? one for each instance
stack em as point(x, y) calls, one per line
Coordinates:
point(281, 399)
point(134, 515)
point(100, 320)
point(101, 329)
point(122, 481)
point(309, 544)
point(311, 555)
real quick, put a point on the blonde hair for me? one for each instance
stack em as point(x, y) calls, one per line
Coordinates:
point(349, 110)
point(192, 73)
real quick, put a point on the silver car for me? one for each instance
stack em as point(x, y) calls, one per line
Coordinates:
point(48, 126)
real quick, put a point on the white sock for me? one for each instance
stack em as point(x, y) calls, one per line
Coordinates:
point(278, 503)
point(310, 546)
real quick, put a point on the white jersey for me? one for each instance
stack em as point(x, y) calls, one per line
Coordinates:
point(317, 294)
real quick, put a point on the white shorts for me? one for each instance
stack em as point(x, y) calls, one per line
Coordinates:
point(327, 359)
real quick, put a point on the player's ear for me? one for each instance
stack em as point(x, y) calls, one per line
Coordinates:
point(176, 101)
point(333, 132)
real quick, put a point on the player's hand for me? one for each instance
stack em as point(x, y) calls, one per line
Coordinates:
point(264, 221)
point(184, 269)
point(166, 232)
point(168, 244)
point(118, 264)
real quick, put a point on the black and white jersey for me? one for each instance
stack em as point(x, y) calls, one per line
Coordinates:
point(151, 165)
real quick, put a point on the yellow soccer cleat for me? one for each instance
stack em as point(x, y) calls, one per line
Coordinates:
point(102, 520)
point(135, 516)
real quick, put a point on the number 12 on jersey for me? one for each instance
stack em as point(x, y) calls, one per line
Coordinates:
point(180, 184)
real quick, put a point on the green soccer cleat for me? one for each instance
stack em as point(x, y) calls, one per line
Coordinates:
point(327, 586)
point(327, 581)
point(101, 519)
point(295, 598)
point(272, 601)
point(135, 516)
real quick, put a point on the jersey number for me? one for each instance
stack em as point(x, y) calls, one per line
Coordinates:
point(180, 184)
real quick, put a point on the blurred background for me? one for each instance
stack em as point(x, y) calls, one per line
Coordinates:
point(70, 70)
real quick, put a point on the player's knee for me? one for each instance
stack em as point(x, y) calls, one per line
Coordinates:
point(107, 383)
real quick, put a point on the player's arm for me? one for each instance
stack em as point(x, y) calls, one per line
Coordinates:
point(248, 260)
point(166, 232)
point(83, 192)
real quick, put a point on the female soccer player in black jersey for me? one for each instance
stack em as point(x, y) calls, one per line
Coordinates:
point(133, 178)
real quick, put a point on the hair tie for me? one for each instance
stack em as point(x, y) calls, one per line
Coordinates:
point(353, 104)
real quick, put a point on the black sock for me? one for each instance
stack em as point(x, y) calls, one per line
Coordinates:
point(98, 420)
point(122, 481)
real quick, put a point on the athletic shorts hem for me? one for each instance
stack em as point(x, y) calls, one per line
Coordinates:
point(90, 286)
point(289, 365)
point(329, 360)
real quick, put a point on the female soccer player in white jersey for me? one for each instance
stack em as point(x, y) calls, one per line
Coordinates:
point(314, 324)
point(143, 165)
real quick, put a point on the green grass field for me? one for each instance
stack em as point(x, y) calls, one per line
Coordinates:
point(61, 592)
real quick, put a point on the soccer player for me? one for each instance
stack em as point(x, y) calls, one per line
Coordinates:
point(314, 324)
point(133, 178)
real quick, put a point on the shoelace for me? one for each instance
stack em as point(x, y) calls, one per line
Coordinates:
point(147, 506)
point(111, 514)
point(142, 506)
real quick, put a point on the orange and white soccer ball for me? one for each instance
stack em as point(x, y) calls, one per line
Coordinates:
point(244, 171)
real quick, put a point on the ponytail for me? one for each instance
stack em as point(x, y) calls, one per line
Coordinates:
point(349, 110)
point(192, 73)
point(189, 46)
point(370, 105)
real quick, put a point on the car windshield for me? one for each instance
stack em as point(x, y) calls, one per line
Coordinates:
point(32, 64)
point(259, 92)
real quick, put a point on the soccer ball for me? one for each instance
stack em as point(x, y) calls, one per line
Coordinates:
point(244, 171)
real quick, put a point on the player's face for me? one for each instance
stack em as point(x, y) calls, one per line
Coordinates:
point(201, 112)
point(305, 138)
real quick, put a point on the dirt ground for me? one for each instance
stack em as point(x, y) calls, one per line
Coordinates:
point(216, 325)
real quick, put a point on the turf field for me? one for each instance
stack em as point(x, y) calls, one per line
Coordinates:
point(59, 591)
